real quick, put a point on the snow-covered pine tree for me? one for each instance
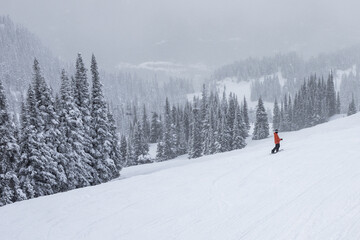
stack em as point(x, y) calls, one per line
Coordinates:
point(330, 96)
point(82, 100)
point(245, 113)
point(186, 122)
point(218, 136)
point(286, 118)
point(261, 129)
point(38, 168)
point(238, 131)
point(230, 118)
point(160, 150)
point(100, 133)
point(226, 136)
point(324, 104)
point(10, 188)
point(138, 142)
point(145, 124)
point(78, 166)
point(211, 137)
point(155, 128)
point(27, 141)
point(290, 114)
point(48, 133)
point(115, 153)
point(338, 103)
point(276, 115)
point(196, 144)
point(204, 118)
point(130, 157)
point(175, 133)
point(123, 150)
point(168, 152)
point(352, 107)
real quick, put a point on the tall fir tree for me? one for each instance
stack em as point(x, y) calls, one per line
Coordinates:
point(123, 150)
point(331, 96)
point(338, 103)
point(39, 170)
point(276, 116)
point(155, 128)
point(145, 124)
point(115, 153)
point(245, 113)
point(261, 129)
point(352, 107)
point(10, 188)
point(168, 152)
point(238, 131)
point(196, 144)
point(82, 100)
point(139, 143)
point(78, 167)
point(100, 134)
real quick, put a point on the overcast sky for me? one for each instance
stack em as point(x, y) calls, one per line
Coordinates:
point(212, 32)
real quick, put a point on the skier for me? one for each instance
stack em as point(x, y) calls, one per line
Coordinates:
point(277, 142)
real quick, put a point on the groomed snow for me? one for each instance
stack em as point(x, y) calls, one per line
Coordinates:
point(311, 190)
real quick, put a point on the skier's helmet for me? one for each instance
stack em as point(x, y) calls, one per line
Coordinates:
point(276, 130)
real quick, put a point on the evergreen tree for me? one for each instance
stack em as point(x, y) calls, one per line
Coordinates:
point(130, 157)
point(38, 167)
point(196, 144)
point(238, 135)
point(331, 96)
point(160, 150)
point(101, 138)
point(155, 128)
point(276, 116)
point(138, 141)
point(115, 153)
point(78, 167)
point(352, 107)
point(168, 152)
point(245, 113)
point(226, 136)
point(123, 150)
point(338, 104)
point(27, 141)
point(48, 133)
point(10, 190)
point(261, 129)
point(211, 137)
point(145, 125)
point(82, 100)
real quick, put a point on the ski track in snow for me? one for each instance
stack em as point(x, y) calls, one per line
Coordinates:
point(309, 191)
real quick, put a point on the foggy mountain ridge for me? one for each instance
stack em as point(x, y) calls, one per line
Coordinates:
point(291, 65)
point(210, 32)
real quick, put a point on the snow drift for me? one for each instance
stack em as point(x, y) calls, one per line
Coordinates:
point(311, 190)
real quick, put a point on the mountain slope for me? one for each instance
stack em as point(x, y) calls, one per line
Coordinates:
point(311, 190)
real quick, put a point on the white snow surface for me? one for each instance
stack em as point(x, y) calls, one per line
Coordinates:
point(311, 190)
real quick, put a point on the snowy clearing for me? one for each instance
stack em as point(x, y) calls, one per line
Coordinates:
point(311, 190)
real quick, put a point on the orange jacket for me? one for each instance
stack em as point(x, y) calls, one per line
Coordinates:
point(276, 138)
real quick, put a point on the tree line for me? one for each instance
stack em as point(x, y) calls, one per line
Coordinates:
point(209, 124)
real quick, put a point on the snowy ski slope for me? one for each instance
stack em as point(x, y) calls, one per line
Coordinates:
point(311, 190)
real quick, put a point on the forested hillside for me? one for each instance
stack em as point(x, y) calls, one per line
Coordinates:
point(275, 76)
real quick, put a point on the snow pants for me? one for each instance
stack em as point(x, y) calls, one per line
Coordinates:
point(276, 148)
